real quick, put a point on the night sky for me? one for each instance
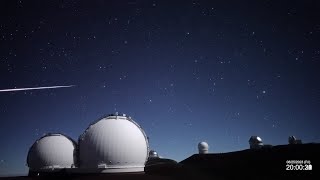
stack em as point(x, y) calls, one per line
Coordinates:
point(186, 71)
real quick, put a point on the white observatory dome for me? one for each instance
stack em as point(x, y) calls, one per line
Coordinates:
point(203, 148)
point(113, 144)
point(255, 142)
point(52, 151)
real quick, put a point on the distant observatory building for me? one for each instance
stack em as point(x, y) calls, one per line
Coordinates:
point(203, 148)
point(52, 152)
point(153, 154)
point(113, 144)
point(294, 140)
point(255, 142)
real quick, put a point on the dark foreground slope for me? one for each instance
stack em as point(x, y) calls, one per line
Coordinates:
point(268, 162)
point(265, 163)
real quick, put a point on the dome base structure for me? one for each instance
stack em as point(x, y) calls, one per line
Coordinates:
point(106, 170)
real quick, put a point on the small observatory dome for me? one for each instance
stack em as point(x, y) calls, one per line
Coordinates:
point(52, 151)
point(153, 154)
point(203, 148)
point(292, 140)
point(255, 142)
point(114, 143)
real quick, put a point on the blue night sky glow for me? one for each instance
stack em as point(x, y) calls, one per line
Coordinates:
point(186, 72)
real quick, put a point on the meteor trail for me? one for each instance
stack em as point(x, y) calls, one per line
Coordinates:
point(34, 88)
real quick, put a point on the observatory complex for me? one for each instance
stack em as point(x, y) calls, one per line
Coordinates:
point(115, 145)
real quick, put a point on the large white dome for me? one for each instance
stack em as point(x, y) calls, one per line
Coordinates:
point(113, 144)
point(52, 151)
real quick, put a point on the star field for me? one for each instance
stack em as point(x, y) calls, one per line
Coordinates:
point(186, 71)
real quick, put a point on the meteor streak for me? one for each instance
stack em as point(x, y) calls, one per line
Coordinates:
point(34, 88)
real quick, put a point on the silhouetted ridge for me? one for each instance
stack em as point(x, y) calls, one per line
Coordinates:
point(268, 161)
